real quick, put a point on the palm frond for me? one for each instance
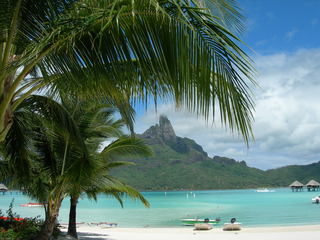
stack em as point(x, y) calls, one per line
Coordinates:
point(126, 146)
point(126, 190)
point(54, 113)
point(228, 13)
point(168, 49)
point(116, 164)
point(18, 150)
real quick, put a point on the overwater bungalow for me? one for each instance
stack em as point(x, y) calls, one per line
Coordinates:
point(296, 186)
point(313, 185)
point(3, 188)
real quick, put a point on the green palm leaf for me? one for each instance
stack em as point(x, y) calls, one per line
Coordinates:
point(176, 50)
point(126, 147)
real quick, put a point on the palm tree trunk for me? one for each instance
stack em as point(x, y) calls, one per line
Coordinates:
point(50, 221)
point(6, 116)
point(72, 228)
point(5, 124)
point(47, 228)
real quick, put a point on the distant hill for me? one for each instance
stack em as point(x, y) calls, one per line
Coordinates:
point(284, 175)
point(181, 163)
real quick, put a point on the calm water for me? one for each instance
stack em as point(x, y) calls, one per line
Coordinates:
point(251, 208)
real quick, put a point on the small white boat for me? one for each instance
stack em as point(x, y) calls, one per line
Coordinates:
point(264, 190)
point(316, 199)
point(193, 221)
point(32, 205)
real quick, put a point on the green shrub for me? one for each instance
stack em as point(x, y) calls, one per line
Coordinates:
point(28, 229)
point(12, 227)
point(7, 234)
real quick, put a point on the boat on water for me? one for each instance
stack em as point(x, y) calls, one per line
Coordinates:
point(316, 199)
point(193, 221)
point(32, 205)
point(264, 190)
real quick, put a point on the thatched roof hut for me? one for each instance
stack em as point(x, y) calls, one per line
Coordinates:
point(3, 188)
point(313, 185)
point(296, 185)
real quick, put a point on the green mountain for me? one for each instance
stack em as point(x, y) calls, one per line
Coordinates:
point(181, 163)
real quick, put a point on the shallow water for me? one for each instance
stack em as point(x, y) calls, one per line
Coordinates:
point(251, 208)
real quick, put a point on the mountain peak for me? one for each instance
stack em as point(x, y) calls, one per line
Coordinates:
point(166, 129)
point(163, 130)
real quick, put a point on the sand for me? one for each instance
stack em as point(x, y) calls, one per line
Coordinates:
point(310, 232)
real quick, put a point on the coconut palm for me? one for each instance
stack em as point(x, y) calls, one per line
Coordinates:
point(169, 49)
point(59, 147)
point(96, 126)
point(103, 182)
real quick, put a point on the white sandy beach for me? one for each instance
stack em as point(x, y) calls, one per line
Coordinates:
point(310, 232)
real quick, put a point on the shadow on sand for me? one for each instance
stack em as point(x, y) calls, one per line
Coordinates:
point(93, 236)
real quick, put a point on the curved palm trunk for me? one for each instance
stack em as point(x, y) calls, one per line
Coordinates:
point(72, 228)
point(5, 124)
point(50, 221)
point(5, 107)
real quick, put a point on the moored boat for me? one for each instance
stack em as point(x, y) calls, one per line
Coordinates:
point(316, 199)
point(31, 205)
point(264, 190)
point(193, 221)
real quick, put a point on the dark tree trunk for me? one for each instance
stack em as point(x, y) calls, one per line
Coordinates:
point(72, 227)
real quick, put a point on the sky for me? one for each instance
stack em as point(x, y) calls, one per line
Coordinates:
point(285, 39)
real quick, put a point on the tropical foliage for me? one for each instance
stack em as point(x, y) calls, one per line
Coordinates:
point(178, 50)
point(96, 125)
point(14, 227)
point(123, 52)
point(60, 148)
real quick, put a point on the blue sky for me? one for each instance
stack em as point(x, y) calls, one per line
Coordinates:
point(275, 26)
point(285, 38)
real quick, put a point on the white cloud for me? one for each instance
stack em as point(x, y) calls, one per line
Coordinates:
point(287, 117)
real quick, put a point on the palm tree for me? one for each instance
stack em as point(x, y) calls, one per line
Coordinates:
point(58, 148)
point(169, 49)
point(96, 126)
point(102, 182)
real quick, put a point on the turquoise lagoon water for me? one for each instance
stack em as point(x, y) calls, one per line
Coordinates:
point(251, 208)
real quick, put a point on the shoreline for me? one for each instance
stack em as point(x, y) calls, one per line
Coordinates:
point(213, 189)
point(299, 232)
point(219, 226)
